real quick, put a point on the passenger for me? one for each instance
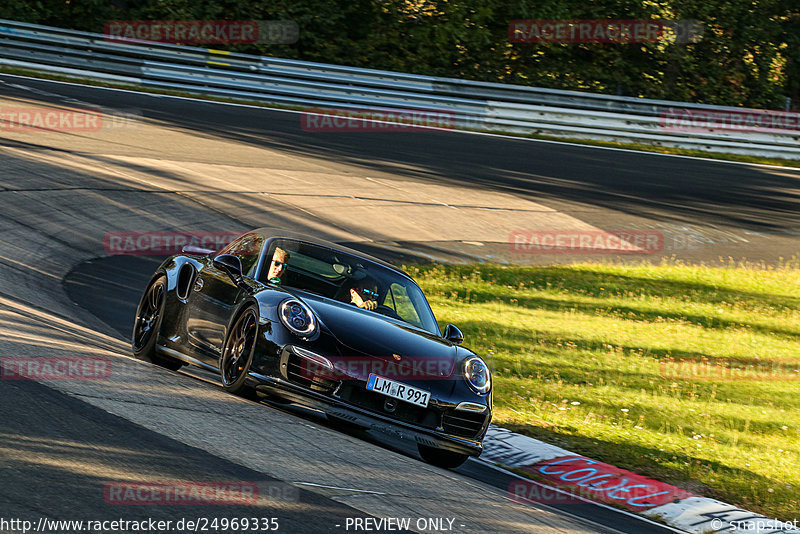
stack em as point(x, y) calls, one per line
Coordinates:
point(277, 267)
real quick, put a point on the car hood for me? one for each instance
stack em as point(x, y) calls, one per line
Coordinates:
point(366, 334)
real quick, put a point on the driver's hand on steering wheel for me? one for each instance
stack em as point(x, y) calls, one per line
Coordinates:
point(356, 299)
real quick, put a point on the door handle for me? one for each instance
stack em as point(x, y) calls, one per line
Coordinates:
point(198, 284)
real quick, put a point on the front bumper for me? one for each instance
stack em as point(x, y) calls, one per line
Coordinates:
point(365, 418)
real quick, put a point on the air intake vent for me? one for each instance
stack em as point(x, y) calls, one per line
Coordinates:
point(463, 424)
point(301, 374)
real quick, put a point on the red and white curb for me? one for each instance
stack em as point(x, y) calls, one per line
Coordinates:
point(582, 478)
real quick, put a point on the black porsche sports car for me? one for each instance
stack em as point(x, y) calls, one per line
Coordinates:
point(288, 316)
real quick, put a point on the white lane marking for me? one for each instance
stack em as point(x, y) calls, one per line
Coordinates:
point(337, 488)
point(42, 92)
point(489, 134)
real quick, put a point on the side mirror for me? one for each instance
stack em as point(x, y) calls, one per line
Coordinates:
point(230, 264)
point(453, 334)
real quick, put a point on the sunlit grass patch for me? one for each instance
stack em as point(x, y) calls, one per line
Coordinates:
point(689, 374)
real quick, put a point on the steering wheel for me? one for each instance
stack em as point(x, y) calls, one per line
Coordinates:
point(386, 310)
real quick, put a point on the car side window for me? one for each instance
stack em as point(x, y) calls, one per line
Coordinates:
point(397, 298)
point(248, 249)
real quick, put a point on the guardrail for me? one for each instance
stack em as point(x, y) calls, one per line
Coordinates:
point(475, 105)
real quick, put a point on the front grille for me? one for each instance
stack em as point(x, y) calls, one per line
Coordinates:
point(463, 424)
point(301, 374)
point(374, 402)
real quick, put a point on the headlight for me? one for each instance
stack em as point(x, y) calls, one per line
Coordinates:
point(477, 375)
point(297, 317)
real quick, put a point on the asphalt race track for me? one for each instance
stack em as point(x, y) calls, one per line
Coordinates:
point(104, 274)
point(443, 194)
point(187, 165)
point(74, 448)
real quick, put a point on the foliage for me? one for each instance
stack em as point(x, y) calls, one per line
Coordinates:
point(748, 56)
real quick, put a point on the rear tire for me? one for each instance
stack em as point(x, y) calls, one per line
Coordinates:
point(147, 326)
point(440, 458)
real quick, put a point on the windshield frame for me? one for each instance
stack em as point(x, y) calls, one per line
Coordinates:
point(424, 312)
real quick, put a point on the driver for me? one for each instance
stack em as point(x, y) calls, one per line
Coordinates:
point(365, 294)
point(277, 267)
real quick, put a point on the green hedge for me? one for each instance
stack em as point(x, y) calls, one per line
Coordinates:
point(749, 55)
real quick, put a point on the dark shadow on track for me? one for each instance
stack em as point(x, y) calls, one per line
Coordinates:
point(86, 453)
point(111, 287)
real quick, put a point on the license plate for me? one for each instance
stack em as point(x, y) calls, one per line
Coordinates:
point(398, 390)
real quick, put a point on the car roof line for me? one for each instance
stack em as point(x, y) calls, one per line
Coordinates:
point(272, 232)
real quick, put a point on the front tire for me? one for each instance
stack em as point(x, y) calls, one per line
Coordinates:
point(237, 353)
point(440, 458)
point(147, 326)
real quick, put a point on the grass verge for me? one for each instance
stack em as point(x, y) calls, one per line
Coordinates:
point(742, 158)
point(688, 374)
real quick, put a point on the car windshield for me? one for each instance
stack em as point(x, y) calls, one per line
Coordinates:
point(349, 279)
